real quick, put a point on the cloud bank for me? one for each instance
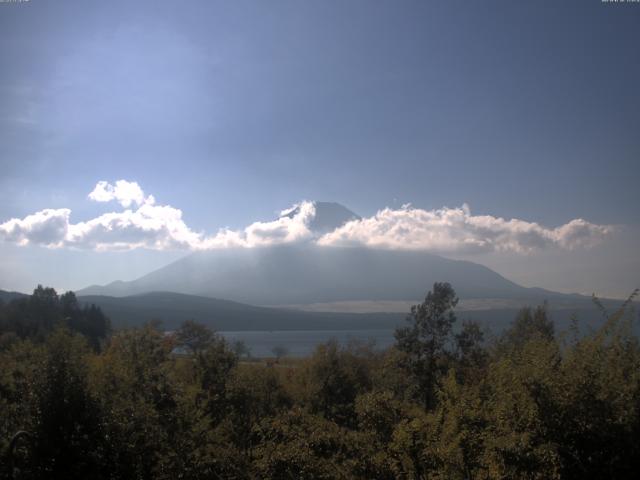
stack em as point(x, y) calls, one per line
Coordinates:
point(147, 225)
point(144, 224)
point(457, 230)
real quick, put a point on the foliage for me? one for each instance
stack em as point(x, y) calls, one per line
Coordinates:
point(440, 404)
point(333, 377)
point(36, 316)
point(426, 339)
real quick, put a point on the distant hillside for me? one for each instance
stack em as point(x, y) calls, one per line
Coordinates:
point(8, 296)
point(223, 315)
point(173, 308)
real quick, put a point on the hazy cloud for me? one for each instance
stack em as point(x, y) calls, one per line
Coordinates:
point(457, 230)
point(161, 227)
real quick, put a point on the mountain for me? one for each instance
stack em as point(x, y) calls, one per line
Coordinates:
point(328, 216)
point(305, 273)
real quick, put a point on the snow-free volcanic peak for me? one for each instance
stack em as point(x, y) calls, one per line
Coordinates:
point(328, 216)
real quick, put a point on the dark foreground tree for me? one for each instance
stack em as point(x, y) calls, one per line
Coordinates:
point(66, 424)
point(36, 316)
point(426, 339)
point(193, 337)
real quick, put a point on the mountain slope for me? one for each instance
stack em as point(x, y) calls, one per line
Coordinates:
point(310, 274)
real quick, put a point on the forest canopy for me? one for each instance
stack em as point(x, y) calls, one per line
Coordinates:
point(445, 401)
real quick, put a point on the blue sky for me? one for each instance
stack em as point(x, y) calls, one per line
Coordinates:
point(232, 111)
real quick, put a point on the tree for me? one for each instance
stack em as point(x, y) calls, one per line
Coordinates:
point(297, 444)
point(280, 351)
point(425, 341)
point(598, 399)
point(528, 325)
point(89, 321)
point(253, 393)
point(470, 352)
point(211, 360)
point(131, 381)
point(36, 316)
point(333, 378)
point(241, 349)
point(194, 337)
point(67, 421)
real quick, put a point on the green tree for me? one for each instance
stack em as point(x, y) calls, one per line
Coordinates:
point(210, 362)
point(194, 337)
point(520, 408)
point(20, 366)
point(471, 354)
point(598, 398)
point(89, 321)
point(36, 316)
point(66, 426)
point(427, 340)
point(132, 382)
point(297, 444)
point(528, 324)
point(333, 377)
point(253, 393)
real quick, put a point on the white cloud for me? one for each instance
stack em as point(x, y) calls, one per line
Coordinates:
point(283, 230)
point(154, 227)
point(126, 193)
point(450, 230)
point(161, 227)
point(151, 226)
point(47, 227)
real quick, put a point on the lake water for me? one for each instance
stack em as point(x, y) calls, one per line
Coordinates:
point(300, 343)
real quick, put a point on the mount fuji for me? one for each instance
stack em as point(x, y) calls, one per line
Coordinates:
point(305, 273)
